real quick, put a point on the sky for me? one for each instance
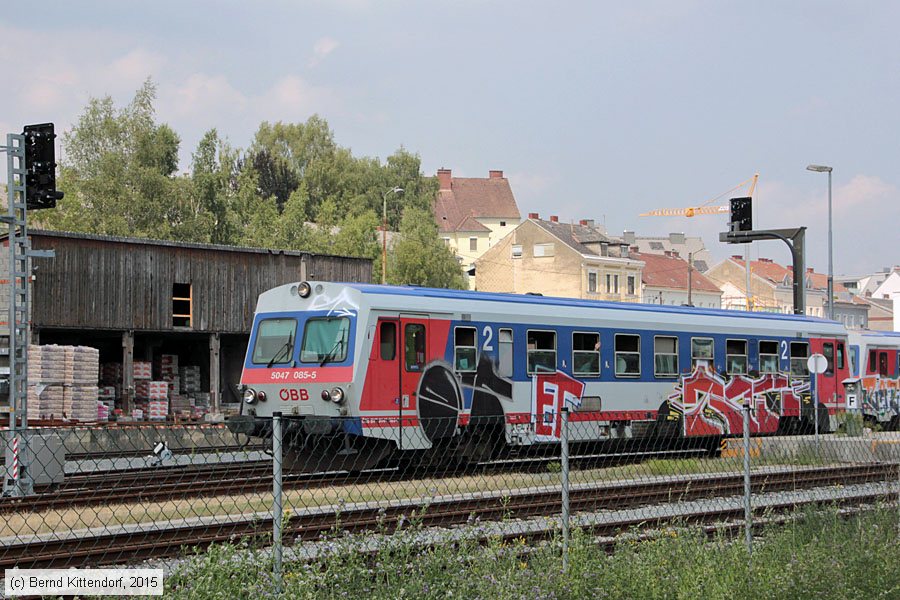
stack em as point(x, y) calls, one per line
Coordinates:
point(597, 110)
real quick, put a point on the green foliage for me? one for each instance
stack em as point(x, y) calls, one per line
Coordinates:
point(820, 555)
point(419, 257)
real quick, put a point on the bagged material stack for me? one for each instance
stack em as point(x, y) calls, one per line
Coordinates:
point(190, 379)
point(52, 402)
point(53, 364)
point(111, 373)
point(158, 410)
point(142, 370)
point(102, 411)
point(107, 393)
point(83, 362)
point(35, 410)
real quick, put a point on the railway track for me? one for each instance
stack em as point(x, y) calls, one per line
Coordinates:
point(130, 544)
point(159, 484)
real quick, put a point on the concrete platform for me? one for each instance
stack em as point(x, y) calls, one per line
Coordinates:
point(870, 447)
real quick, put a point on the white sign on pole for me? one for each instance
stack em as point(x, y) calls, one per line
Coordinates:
point(817, 363)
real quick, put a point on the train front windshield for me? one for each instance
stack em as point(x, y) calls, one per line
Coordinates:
point(275, 341)
point(325, 340)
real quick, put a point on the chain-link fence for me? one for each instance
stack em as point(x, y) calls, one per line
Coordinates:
point(309, 493)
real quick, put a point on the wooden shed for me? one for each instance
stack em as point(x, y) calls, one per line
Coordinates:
point(136, 298)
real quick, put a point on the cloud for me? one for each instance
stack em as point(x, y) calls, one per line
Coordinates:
point(322, 48)
point(136, 65)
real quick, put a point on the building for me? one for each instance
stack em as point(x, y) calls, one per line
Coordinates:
point(771, 286)
point(865, 285)
point(473, 214)
point(888, 287)
point(668, 279)
point(685, 246)
point(560, 259)
point(136, 299)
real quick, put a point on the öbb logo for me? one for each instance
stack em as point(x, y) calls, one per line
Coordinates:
point(293, 394)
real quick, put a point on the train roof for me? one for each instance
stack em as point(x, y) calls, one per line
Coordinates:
point(553, 301)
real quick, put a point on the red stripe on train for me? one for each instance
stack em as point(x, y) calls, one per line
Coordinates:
point(298, 376)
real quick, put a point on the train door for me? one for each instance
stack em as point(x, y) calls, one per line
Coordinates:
point(828, 384)
point(414, 344)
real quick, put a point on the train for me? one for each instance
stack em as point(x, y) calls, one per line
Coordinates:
point(362, 374)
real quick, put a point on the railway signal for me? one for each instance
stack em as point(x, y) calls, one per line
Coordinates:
point(40, 167)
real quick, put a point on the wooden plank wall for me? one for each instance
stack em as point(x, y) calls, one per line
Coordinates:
point(107, 284)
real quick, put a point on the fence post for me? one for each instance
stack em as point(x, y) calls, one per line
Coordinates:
point(564, 459)
point(277, 503)
point(748, 513)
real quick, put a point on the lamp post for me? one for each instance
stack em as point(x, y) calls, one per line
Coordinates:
point(393, 190)
point(824, 169)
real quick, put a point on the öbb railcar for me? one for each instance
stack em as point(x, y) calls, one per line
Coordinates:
point(361, 373)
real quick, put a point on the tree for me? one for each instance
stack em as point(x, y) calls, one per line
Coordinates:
point(419, 257)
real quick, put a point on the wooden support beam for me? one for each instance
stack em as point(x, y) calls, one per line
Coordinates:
point(127, 371)
point(215, 376)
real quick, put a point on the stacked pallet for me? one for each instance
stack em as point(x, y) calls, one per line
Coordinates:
point(53, 377)
point(142, 370)
point(190, 379)
point(34, 382)
point(62, 382)
point(166, 369)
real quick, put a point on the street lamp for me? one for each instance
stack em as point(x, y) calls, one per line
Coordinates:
point(393, 190)
point(824, 169)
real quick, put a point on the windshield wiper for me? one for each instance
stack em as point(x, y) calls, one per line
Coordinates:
point(331, 353)
point(288, 345)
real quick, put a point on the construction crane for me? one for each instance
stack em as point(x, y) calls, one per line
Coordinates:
point(705, 208)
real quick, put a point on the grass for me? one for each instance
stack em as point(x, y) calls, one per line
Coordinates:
point(820, 555)
point(26, 523)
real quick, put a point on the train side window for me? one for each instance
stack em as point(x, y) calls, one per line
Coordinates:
point(799, 355)
point(768, 356)
point(541, 351)
point(854, 360)
point(701, 350)
point(736, 357)
point(828, 352)
point(840, 356)
point(465, 350)
point(665, 356)
point(883, 364)
point(586, 354)
point(873, 356)
point(388, 340)
point(628, 355)
point(414, 346)
point(505, 350)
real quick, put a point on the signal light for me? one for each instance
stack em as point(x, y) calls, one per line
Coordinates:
point(40, 167)
point(741, 214)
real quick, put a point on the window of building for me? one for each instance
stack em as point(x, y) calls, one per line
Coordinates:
point(502, 223)
point(665, 356)
point(586, 353)
point(631, 285)
point(608, 283)
point(543, 250)
point(592, 282)
point(615, 284)
point(541, 352)
point(628, 355)
point(182, 305)
point(517, 251)
point(414, 346)
point(736, 357)
point(388, 340)
point(768, 356)
point(505, 350)
point(828, 353)
point(446, 241)
point(465, 349)
point(799, 355)
point(473, 244)
point(701, 351)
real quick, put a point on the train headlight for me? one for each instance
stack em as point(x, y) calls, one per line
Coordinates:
point(261, 396)
point(337, 395)
point(249, 396)
point(304, 289)
point(326, 395)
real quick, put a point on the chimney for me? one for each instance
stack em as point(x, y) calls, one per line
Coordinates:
point(668, 253)
point(554, 219)
point(737, 257)
point(495, 174)
point(444, 178)
point(534, 216)
point(675, 254)
point(635, 249)
point(586, 222)
point(810, 270)
point(765, 260)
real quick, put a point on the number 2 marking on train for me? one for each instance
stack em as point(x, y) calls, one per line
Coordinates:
point(488, 334)
point(784, 355)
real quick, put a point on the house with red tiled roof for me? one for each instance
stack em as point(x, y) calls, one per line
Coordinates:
point(668, 279)
point(473, 213)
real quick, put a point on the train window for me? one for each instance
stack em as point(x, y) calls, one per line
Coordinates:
point(586, 353)
point(854, 360)
point(274, 341)
point(883, 364)
point(325, 340)
point(465, 350)
point(799, 354)
point(665, 356)
point(388, 340)
point(736, 357)
point(414, 346)
point(541, 352)
point(872, 361)
point(505, 350)
point(840, 356)
point(628, 355)
point(828, 352)
point(701, 351)
point(768, 356)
